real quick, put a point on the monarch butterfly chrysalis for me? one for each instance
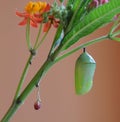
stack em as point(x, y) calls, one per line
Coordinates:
point(84, 72)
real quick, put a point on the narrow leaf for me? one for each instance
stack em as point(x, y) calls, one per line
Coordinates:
point(79, 8)
point(95, 19)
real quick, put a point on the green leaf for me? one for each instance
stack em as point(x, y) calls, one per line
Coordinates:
point(79, 9)
point(82, 11)
point(76, 4)
point(70, 2)
point(95, 19)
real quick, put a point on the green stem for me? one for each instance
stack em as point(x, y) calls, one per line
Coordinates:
point(36, 79)
point(37, 39)
point(23, 77)
point(11, 111)
point(115, 26)
point(116, 33)
point(38, 45)
point(115, 39)
point(80, 47)
point(28, 34)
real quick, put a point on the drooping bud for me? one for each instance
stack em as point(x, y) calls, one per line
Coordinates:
point(103, 1)
point(93, 4)
point(37, 105)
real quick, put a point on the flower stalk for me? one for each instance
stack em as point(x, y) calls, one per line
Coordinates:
point(38, 36)
point(28, 34)
point(22, 79)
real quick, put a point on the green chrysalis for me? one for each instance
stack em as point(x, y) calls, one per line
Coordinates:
point(84, 72)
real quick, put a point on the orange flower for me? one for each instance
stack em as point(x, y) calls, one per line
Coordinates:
point(33, 19)
point(33, 12)
point(51, 21)
point(32, 7)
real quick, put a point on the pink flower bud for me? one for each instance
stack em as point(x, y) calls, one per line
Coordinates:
point(94, 4)
point(104, 1)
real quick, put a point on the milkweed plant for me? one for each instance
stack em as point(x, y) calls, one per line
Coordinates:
point(73, 21)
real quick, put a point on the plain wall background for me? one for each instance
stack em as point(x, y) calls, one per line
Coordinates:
point(59, 101)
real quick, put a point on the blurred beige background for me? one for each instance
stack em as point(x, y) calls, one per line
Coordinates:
point(59, 101)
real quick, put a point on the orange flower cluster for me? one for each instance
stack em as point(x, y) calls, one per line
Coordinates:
point(34, 14)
